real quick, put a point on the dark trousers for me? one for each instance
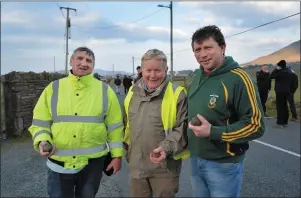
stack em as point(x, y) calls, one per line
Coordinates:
point(263, 98)
point(126, 89)
point(282, 108)
point(291, 102)
point(82, 184)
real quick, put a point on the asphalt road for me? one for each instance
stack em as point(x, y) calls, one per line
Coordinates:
point(268, 172)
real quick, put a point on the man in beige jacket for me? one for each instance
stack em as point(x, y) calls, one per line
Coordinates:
point(154, 176)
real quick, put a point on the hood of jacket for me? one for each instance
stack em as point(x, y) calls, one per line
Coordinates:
point(228, 64)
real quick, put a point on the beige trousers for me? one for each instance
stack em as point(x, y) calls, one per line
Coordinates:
point(154, 186)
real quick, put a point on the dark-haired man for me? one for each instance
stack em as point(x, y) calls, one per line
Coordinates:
point(226, 101)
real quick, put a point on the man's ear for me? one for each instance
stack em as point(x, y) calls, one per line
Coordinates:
point(223, 49)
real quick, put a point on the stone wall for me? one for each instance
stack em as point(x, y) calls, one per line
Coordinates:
point(21, 92)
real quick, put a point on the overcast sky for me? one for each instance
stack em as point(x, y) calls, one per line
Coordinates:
point(33, 33)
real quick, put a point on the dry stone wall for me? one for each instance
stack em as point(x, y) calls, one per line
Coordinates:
point(21, 93)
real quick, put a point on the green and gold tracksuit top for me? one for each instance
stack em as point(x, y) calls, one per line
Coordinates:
point(228, 99)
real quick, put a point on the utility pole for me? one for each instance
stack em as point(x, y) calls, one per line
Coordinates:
point(68, 25)
point(171, 41)
point(113, 71)
point(171, 37)
point(54, 64)
point(133, 65)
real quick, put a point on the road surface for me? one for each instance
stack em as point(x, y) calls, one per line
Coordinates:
point(272, 168)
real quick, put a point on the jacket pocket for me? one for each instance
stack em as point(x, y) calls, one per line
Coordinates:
point(239, 149)
point(231, 149)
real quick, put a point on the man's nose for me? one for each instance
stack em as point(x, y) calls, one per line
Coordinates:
point(153, 74)
point(203, 54)
point(84, 62)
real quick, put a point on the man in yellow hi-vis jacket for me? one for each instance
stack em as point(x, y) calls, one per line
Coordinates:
point(155, 135)
point(81, 118)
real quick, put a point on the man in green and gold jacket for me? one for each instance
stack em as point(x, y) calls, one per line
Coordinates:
point(226, 101)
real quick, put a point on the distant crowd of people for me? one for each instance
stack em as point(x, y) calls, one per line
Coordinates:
point(286, 84)
point(127, 81)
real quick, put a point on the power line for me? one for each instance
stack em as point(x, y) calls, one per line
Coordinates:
point(116, 26)
point(246, 30)
point(263, 25)
point(60, 9)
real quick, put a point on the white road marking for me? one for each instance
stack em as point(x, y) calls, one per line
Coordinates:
point(278, 148)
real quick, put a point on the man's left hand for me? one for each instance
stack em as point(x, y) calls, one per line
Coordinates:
point(203, 130)
point(161, 155)
point(115, 164)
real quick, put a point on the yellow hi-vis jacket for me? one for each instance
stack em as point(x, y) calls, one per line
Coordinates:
point(82, 117)
point(168, 114)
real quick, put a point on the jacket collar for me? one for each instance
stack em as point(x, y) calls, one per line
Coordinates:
point(141, 88)
point(80, 82)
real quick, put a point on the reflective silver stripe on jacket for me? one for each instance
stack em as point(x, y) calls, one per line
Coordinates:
point(41, 132)
point(115, 145)
point(114, 126)
point(42, 123)
point(75, 118)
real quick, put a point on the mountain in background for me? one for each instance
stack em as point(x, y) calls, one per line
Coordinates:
point(290, 53)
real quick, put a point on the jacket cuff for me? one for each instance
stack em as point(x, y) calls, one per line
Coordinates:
point(216, 132)
point(165, 145)
point(41, 138)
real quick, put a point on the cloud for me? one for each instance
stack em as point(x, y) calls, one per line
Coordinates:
point(246, 14)
point(17, 18)
point(30, 39)
point(279, 7)
point(131, 32)
point(39, 37)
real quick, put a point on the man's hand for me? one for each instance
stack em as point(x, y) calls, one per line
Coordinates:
point(46, 154)
point(203, 130)
point(115, 164)
point(158, 155)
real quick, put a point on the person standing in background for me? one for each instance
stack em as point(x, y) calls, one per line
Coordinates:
point(291, 101)
point(264, 85)
point(139, 71)
point(126, 84)
point(283, 83)
point(117, 83)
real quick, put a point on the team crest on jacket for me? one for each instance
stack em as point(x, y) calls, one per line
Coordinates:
point(212, 101)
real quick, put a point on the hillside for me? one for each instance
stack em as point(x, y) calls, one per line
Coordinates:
point(290, 53)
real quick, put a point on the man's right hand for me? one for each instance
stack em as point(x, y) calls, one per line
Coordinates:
point(46, 154)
